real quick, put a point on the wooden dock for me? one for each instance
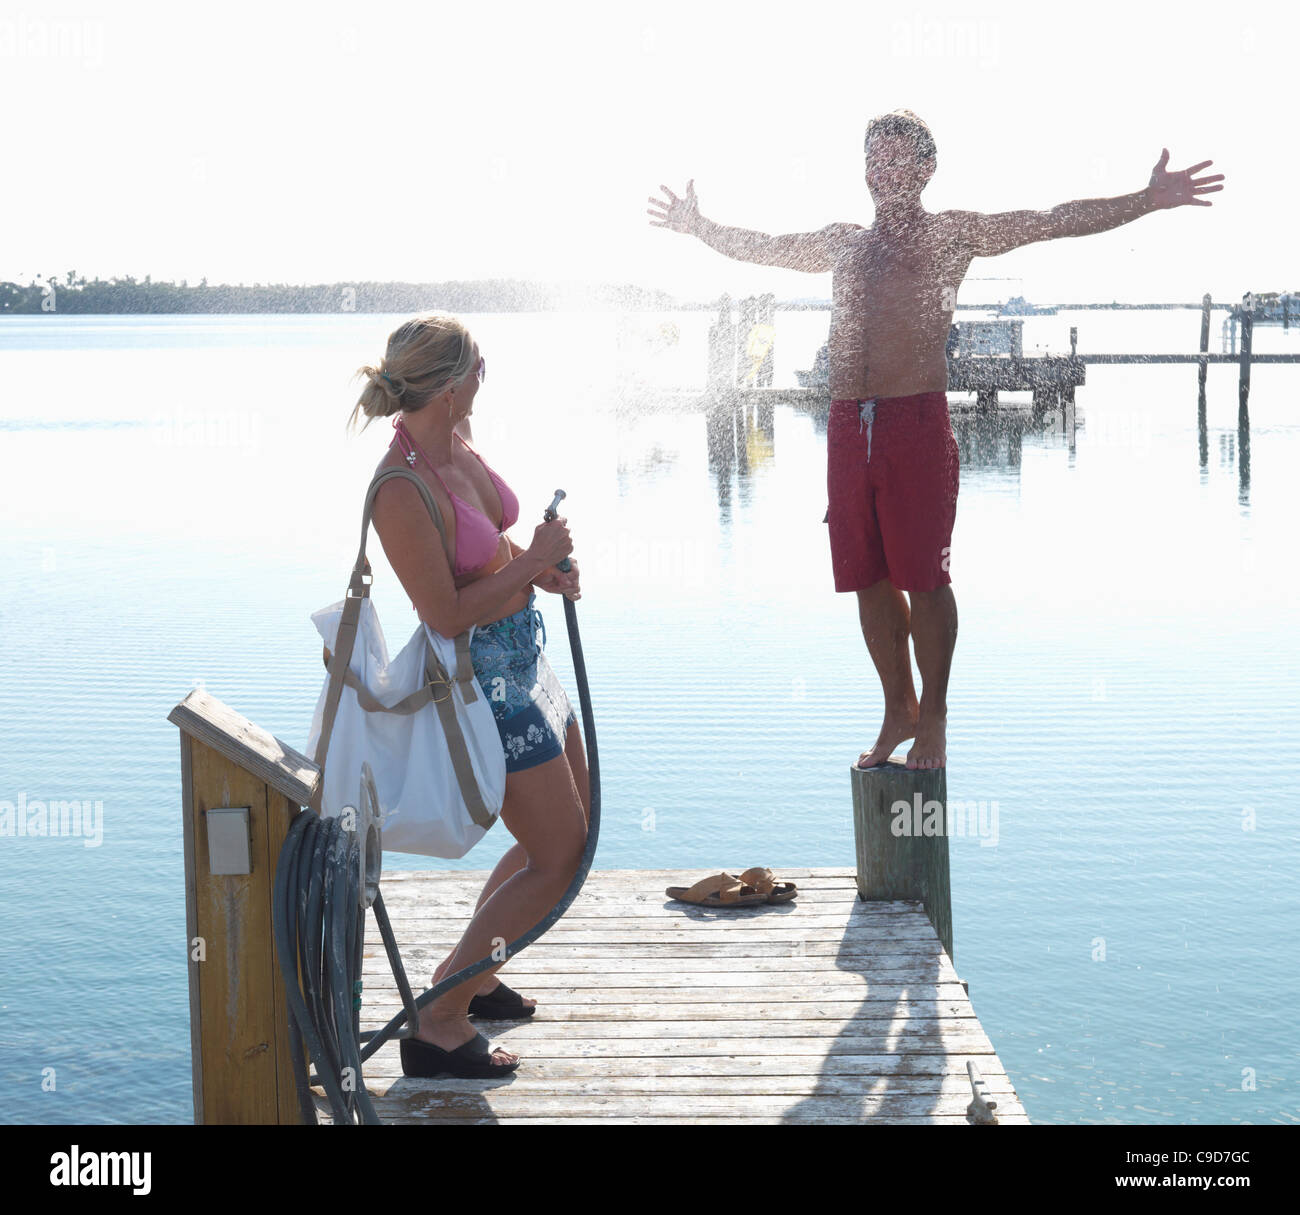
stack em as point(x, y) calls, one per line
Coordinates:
point(830, 1009)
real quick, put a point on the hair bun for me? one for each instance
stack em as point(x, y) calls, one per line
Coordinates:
point(393, 385)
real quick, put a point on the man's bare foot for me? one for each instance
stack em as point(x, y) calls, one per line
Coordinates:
point(491, 984)
point(898, 726)
point(931, 746)
point(449, 1032)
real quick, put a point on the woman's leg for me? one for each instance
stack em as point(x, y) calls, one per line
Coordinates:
point(544, 812)
point(512, 860)
point(577, 757)
point(515, 857)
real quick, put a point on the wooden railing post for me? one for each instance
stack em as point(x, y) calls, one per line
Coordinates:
point(900, 825)
point(241, 789)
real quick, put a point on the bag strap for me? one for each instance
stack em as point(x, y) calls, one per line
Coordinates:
point(345, 641)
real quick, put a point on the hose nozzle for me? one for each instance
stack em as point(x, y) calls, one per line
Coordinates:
point(553, 512)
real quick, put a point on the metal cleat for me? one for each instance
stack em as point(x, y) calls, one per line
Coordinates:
point(980, 1111)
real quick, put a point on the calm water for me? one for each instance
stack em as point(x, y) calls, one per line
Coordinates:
point(180, 495)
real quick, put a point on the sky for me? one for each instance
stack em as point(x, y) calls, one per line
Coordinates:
point(330, 142)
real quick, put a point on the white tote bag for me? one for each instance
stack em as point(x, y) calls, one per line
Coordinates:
point(420, 721)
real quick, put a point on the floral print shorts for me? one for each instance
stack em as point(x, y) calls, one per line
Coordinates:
point(532, 711)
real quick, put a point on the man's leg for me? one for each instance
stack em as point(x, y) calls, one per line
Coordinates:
point(858, 562)
point(884, 615)
point(934, 630)
point(917, 507)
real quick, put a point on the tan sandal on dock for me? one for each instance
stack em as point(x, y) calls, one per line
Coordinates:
point(761, 880)
point(751, 888)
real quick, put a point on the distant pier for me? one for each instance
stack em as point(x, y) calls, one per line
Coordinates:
point(985, 358)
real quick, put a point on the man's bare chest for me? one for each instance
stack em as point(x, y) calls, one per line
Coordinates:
point(879, 262)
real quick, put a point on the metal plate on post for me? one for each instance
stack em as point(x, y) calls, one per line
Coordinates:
point(228, 840)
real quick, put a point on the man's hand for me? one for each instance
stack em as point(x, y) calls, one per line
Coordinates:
point(679, 214)
point(1179, 188)
point(560, 583)
point(811, 252)
point(990, 235)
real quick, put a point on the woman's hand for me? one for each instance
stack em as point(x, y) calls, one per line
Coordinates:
point(551, 542)
point(560, 583)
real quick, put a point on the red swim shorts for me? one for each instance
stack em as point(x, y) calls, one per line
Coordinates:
point(892, 472)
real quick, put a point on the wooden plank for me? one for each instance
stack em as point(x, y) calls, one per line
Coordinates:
point(417, 1102)
point(461, 897)
point(842, 952)
point(631, 879)
point(742, 1073)
point(630, 932)
point(437, 909)
point(737, 942)
point(854, 957)
point(597, 1007)
point(770, 1037)
point(408, 899)
point(379, 988)
point(789, 970)
point(721, 985)
point(249, 747)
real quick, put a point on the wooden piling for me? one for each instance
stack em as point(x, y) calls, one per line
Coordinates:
point(721, 375)
point(1243, 396)
point(1202, 426)
point(241, 1065)
point(1243, 381)
point(900, 826)
point(1205, 345)
point(767, 316)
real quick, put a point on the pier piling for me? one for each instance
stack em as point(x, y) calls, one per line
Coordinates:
point(900, 826)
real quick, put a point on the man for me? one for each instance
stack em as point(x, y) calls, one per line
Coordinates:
point(892, 463)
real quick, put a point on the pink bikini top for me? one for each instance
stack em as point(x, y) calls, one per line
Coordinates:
point(477, 538)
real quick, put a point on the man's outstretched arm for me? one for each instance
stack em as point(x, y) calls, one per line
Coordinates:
point(812, 252)
point(989, 235)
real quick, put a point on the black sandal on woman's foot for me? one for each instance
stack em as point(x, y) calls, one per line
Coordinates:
point(501, 1004)
point(472, 1059)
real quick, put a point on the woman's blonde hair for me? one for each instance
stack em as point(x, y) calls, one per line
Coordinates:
point(426, 355)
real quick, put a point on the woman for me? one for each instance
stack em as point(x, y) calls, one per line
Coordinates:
point(428, 379)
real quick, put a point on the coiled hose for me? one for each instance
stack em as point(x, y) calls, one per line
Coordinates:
point(319, 920)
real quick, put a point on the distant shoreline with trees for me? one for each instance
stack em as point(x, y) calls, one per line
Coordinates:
point(78, 295)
